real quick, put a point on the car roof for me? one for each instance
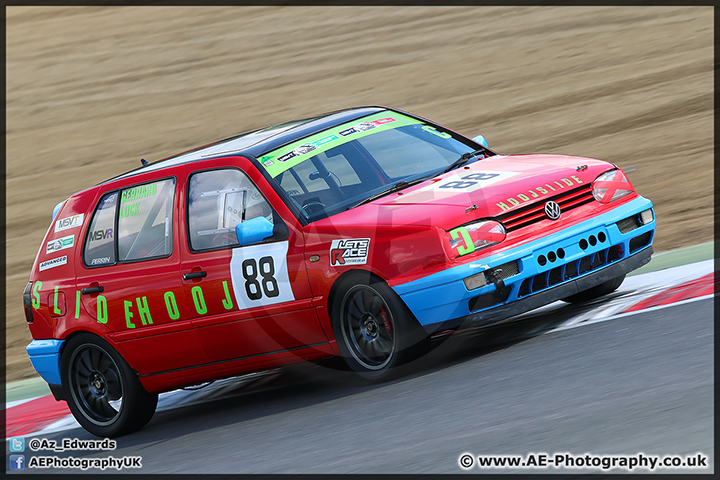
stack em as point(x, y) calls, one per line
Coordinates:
point(258, 142)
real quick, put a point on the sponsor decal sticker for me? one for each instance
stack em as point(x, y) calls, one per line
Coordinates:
point(324, 140)
point(349, 252)
point(303, 149)
point(365, 126)
point(60, 244)
point(69, 222)
point(286, 157)
point(55, 262)
point(98, 235)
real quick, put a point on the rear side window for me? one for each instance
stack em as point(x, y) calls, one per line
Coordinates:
point(100, 243)
point(143, 215)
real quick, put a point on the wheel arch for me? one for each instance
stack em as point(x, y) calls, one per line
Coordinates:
point(340, 280)
point(137, 405)
point(413, 340)
point(116, 346)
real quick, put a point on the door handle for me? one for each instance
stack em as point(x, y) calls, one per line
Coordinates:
point(89, 290)
point(191, 275)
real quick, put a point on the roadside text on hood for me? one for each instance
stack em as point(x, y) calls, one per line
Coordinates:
point(532, 193)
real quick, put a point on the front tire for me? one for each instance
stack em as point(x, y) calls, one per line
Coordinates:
point(374, 329)
point(596, 291)
point(103, 393)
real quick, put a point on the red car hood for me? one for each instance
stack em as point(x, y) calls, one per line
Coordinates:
point(496, 185)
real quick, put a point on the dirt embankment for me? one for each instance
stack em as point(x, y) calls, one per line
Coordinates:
point(91, 90)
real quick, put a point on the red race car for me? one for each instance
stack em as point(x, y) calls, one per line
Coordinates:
point(359, 233)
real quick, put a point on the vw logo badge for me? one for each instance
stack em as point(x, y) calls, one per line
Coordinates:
point(552, 210)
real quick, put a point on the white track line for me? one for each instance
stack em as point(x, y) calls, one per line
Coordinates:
point(172, 400)
point(600, 319)
point(9, 405)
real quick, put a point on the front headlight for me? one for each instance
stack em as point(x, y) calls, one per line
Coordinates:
point(482, 234)
point(610, 186)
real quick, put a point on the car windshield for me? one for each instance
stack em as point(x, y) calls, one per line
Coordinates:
point(344, 166)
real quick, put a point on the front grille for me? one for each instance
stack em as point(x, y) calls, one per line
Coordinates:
point(535, 212)
point(507, 270)
point(629, 224)
point(570, 270)
point(555, 276)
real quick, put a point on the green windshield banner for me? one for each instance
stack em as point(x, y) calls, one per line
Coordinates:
point(277, 161)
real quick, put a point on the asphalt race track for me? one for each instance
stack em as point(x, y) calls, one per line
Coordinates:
point(636, 383)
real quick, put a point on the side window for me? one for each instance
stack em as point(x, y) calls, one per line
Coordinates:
point(145, 223)
point(219, 200)
point(100, 243)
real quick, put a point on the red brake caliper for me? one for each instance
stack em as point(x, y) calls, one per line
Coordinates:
point(386, 322)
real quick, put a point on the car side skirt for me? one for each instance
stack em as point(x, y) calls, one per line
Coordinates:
point(172, 379)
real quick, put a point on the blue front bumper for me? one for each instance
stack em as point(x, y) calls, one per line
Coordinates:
point(573, 261)
point(45, 358)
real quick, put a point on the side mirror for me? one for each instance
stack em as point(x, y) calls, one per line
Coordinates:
point(481, 140)
point(253, 231)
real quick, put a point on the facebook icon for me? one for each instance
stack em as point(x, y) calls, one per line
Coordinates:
point(17, 462)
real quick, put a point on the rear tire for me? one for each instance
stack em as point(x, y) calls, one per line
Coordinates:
point(103, 393)
point(596, 291)
point(374, 329)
